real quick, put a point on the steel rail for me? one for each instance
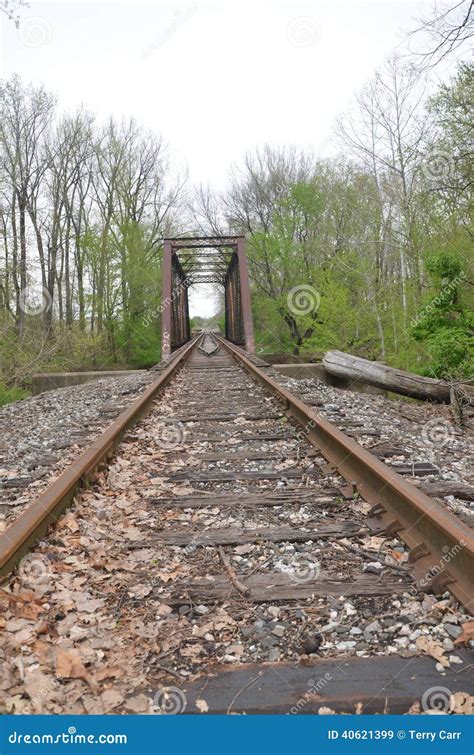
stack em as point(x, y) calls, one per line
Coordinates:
point(441, 546)
point(44, 510)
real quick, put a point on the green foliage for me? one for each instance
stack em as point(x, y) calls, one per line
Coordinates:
point(8, 395)
point(452, 352)
point(141, 342)
point(445, 325)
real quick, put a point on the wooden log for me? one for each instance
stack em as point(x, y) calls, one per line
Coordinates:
point(233, 475)
point(442, 488)
point(237, 536)
point(387, 684)
point(251, 500)
point(266, 588)
point(380, 375)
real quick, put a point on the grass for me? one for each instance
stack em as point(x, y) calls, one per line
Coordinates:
point(8, 395)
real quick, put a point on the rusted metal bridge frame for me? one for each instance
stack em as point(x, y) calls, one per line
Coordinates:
point(205, 259)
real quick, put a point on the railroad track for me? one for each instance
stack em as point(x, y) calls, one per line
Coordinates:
point(260, 538)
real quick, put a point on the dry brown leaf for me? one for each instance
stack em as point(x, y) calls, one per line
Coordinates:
point(111, 698)
point(138, 704)
point(432, 648)
point(85, 604)
point(467, 634)
point(462, 703)
point(69, 665)
point(39, 687)
point(113, 672)
point(69, 522)
point(139, 591)
point(167, 576)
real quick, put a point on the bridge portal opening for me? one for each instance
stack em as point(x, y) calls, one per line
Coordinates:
point(212, 259)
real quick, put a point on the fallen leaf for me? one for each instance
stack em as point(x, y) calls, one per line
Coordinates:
point(462, 703)
point(167, 576)
point(138, 704)
point(113, 672)
point(432, 648)
point(202, 706)
point(111, 698)
point(85, 604)
point(467, 633)
point(40, 688)
point(69, 665)
point(139, 591)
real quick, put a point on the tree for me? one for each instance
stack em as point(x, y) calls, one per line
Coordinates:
point(445, 324)
point(25, 114)
point(447, 29)
point(11, 9)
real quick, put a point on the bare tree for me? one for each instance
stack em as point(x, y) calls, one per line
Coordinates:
point(448, 28)
point(25, 113)
point(386, 133)
point(11, 9)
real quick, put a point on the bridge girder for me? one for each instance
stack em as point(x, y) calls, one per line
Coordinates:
point(206, 259)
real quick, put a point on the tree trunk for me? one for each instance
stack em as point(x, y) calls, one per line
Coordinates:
point(374, 373)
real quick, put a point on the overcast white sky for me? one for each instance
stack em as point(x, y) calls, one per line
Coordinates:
point(215, 79)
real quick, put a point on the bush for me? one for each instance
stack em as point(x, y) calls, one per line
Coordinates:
point(451, 350)
point(8, 395)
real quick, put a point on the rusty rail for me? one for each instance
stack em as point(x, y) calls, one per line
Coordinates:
point(441, 546)
point(35, 520)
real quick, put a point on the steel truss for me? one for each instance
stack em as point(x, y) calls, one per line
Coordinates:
point(211, 259)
